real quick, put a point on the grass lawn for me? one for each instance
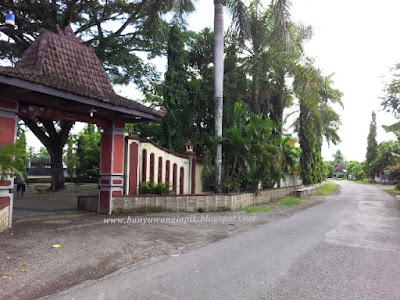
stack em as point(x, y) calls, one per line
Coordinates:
point(324, 190)
point(327, 189)
point(364, 181)
point(290, 201)
point(393, 191)
point(257, 208)
point(264, 208)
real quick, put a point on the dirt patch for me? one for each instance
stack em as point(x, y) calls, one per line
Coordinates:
point(93, 246)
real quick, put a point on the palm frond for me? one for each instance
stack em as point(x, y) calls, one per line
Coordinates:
point(239, 12)
point(281, 13)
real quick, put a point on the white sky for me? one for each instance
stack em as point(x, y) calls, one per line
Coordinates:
point(358, 41)
point(355, 39)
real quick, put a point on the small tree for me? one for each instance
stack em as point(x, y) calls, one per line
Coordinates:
point(372, 149)
point(88, 152)
point(71, 157)
point(43, 152)
point(329, 169)
point(394, 174)
point(12, 159)
point(13, 156)
point(356, 170)
point(338, 157)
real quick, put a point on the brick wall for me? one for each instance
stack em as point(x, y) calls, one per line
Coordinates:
point(194, 203)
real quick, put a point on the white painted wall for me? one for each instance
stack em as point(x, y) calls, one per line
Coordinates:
point(181, 162)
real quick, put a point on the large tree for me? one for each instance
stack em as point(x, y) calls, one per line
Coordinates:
point(53, 136)
point(178, 121)
point(116, 29)
point(391, 98)
point(317, 119)
point(272, 45)
point(241, 22)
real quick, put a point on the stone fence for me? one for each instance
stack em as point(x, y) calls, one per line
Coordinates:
point(201, 203)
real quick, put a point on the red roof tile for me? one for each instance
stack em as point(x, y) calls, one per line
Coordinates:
point(62, 62)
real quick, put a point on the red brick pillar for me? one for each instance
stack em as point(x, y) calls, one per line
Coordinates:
point(111, 182)
point(192, 166)
point(8, 133)
point(133, 148)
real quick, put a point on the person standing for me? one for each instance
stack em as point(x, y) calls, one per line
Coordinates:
point(20, 186)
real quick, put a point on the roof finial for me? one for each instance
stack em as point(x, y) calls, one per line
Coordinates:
point(68, 33)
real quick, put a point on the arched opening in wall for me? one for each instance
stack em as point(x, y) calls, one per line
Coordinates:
point(144, 165)
point(174, 178)
point(152, 167)
point(167, 171)
point(181, 180)
point(159, 169)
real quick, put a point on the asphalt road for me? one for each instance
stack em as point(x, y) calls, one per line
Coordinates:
point(345, 248)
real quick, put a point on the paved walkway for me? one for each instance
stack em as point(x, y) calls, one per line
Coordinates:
point(38, 201)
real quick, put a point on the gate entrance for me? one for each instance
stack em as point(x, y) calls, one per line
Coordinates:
point(59, 78)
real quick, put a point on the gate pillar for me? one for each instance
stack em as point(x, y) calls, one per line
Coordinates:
point(8, 134)
point(111, 181)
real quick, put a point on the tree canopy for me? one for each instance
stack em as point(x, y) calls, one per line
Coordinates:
point(118, 30)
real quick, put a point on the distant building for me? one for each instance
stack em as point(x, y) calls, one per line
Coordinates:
point(293, 142)
point(339, 169)
point(40, 166)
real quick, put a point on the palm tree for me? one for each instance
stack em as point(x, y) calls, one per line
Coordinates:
point(317, 118)
point(252, 154)
point(338, 157)
point(12, 160)
point(240, 22)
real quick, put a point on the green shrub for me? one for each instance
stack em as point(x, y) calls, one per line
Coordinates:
point(394, 172)
point(160, 188)
point(364, 181)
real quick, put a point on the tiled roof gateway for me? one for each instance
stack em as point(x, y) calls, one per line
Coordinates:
point(62, 62)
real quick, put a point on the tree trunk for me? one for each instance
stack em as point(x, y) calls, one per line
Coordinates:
point(57, 171)
point(54, 142)
point(277, 105)
point(218, 86)
point(255, 97)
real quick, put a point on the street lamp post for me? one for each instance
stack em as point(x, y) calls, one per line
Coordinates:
point(9, 22)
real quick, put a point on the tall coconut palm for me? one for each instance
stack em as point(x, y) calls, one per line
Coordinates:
point(238, 10)
point(218, 85)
